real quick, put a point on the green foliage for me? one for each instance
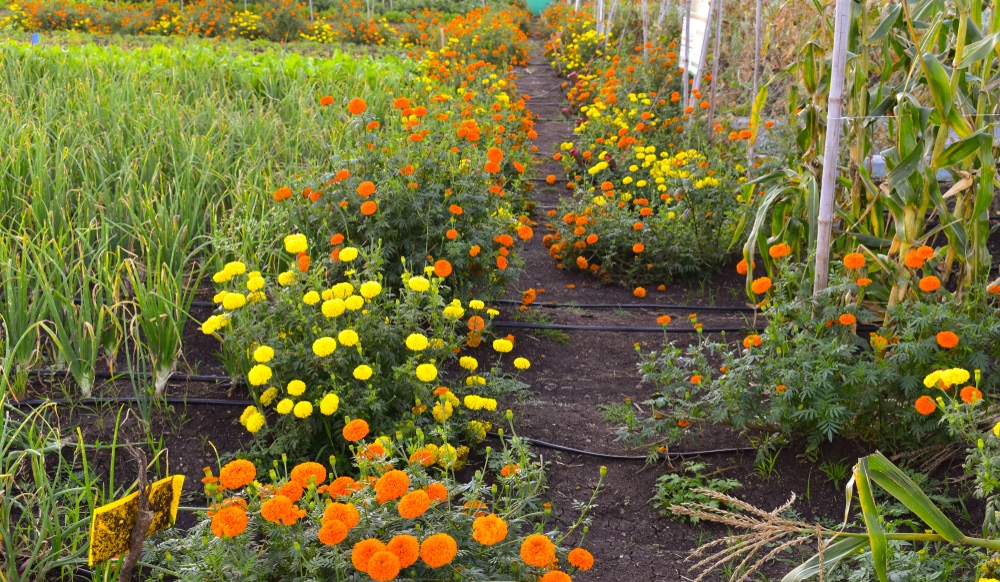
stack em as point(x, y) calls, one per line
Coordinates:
point(680, 487)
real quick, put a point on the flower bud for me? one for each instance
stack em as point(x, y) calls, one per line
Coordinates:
point(604, 471)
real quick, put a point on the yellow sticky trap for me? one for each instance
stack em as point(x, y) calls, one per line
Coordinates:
point(111, 526)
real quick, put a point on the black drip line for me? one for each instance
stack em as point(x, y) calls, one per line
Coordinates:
point(687, 308)
point(226, 380)
point(661, 456)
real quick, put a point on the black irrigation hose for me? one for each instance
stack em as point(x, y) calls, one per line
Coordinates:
point(522, 325)
point(688, 308)
point(566, 449)
point(131, 400)
point(124, 375)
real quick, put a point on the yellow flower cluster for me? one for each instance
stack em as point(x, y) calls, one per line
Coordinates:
point(946, 378)
point(473, 402)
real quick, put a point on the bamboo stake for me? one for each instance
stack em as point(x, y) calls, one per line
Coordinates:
point(645, 31)
point(715, 67)
point(704, 46)
point(756, 78)
point(830, 147)
point(663, 14)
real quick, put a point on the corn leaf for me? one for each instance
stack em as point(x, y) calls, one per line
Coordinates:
point(893, 480)
point(831, 556)
point(876, 535)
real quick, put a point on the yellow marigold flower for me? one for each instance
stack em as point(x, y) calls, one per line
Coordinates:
point(370, 289)
point(522, 363)
point(354, 302)
point(218, 297)
point(311, 298)
point(333, 307)
point(256, 296)
point(348, 254)
point(255, 283)
point(235, 268)
point(329, 404)
point(285, 279)
point(324, 346)
point(363, 372)
point(303, 409)
point(259, 375)
point(476, 304)
point(348, 337)
point(418, 284)
point(442, 413)
point(947, 378)
point(475, 381)
point(469, 363)
point(285, 406)
point(213, 324)
point(427, 372)
point(454, 312)
point(492, 313)
point(255, 422)
point(268, 396)
point(234, 301)
point(416, 342)
point(263, 355)
point(222, 277)
point(502, 345)
point(996, 430)
point(246, 414)
point(296, 243)
point(473, 402)
point(342, 290)
point(296, 387)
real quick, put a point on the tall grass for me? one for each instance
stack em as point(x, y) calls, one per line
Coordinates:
point(110, 155)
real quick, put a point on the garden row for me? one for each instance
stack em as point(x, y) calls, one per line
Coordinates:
point(898, 350)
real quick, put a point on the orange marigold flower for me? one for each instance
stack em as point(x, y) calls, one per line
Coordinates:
point(930, 284)
point(925, 252)
point(592, 239)
point(345, 513)
point(683, 423)
point(355, 430)
point(368, 208)
point(863, 282)
point(947, 339)
point(383, 566)
point(438, 550)
point(325, 100)
point(913, 260)
point(752, 341)
point(292, 490)
point(476, 323)
point(502, 263)
point(437, 492)
point(336, 239)
point(638, 248)
point(494, 155)
point(524, 232)
point(489, 529)
point(357, 106)
point(229, 522)
point(854, 260)
point(406, 548)
point(491, 167)
point(639, 292)
point(442, 268)
point(847, 319)
point(303, 262)
point(392, 485)
point(366, 189)
point(555, 576)
point(780, 388)
point(455, 209)
point(664, 320)
point(779, 250)
point(509, 470)
point(504, 239)
point(971, 395)
point(414, 504)
point(363, 551)
point(925, 405)
point(582, 263)
point(401, 103)
point(637, 226)
point(338, 487)
point(741, 267)
point(238, 473)
point(760, 285)
point(280, 509)
point(333, 532)
point(452, 234)
point(550, 179)
point(538, 550)
point(372, 125)
point(696, 379)
point(581, 558)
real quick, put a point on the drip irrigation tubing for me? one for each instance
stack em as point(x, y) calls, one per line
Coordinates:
point(131, 400)
point(523, 325)
point(553, 446)
point(687, 308)
point(125, 375)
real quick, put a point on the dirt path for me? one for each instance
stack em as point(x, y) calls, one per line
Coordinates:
point(573, 374)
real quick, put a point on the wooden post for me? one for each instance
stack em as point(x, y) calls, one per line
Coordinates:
point(645, 31)
point(703, 51)
point(312, 13)
point(663, 14)
point(715, 67)
point(831, 145)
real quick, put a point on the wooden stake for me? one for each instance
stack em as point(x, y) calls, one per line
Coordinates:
point(687, 50)
point(645, 31)
point(756, 78)
point(830, 146)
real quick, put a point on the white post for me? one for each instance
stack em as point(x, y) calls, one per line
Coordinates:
point(687, 52)
point(645, 30)
point(663, 14)
point(831, 145)
point(715, 67)
point(704, 47)
point(756, 80)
